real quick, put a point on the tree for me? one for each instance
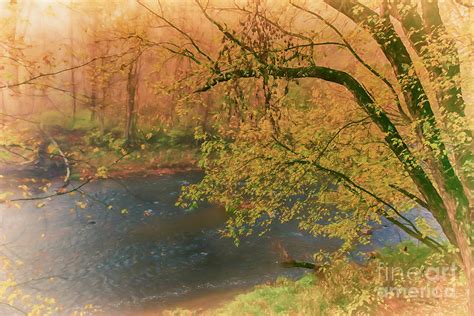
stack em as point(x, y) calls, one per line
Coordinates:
point(409, 140)
point(73, 77)
point(13, 46)
point(130, 133)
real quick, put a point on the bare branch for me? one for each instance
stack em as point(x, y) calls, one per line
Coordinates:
point(168, 22)
point(62, 192)
point(48, 74)
point(14, 307)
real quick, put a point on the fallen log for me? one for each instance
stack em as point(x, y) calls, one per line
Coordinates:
point(300, 264)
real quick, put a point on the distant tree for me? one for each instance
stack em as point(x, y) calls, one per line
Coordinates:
point(130, 132)
point(72, 61)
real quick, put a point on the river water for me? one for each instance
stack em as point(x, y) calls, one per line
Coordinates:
point(78, 251)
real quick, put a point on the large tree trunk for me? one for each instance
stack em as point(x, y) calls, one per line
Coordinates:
point(453, 211)
point(445, 73)
point(460, 216)
point(467, 258)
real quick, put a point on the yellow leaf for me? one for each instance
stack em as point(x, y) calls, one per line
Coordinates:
point(50, 148)
point(82, 205)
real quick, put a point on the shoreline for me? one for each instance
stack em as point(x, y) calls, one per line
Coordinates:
point(196, 303)
point(10, 172)
point(129, 172)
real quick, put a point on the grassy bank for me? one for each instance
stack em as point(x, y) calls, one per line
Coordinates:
point(404, 280)
point(101, 153)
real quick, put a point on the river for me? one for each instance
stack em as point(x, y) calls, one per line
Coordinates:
point(151, 255)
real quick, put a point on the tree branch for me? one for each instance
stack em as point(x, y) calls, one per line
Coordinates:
point(357, 56)
point(411, 196)
point(14, 307)
point(366, 102)
point(413, 231)
point(53, 73)
point(384, 33)
point(168, 22)
point(62, 192)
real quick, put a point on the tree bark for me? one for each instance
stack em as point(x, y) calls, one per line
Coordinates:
point(445, 72)
point(130, 131)
point(454, 194)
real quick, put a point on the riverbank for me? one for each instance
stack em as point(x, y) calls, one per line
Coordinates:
point(196, 304)
point(423, 284)
point(75, 154)
point(155, 163)
point(145, 159)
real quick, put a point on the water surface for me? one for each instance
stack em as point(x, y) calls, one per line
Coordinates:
point(152, 254)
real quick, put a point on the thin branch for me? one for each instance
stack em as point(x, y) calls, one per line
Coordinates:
point(414, 231)
point(161, 17)
point(5, 147)
point(357, 56)
point(411, 196)
point(337, 133)
point(19, 118)
point(274, 24)
point(67, 92)
point(48, 74)
point(465, 3)
point(48, 277)
point(62, 192)
point(14, 307)
point(228, 34)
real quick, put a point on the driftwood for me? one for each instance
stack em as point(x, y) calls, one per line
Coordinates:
point(288, 262)
point(300, 264)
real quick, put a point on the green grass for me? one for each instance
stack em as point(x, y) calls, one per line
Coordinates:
point(409, 254)
point(82, 120)
point(282, 298)
point(344, 289)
